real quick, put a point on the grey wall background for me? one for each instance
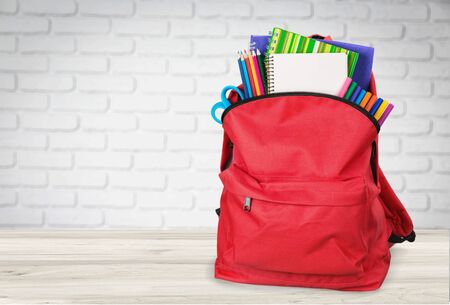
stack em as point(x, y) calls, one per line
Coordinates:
point(104, 104)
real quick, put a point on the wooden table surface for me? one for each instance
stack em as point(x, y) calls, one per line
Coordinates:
point(177, 267)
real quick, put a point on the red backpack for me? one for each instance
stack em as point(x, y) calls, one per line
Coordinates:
point(305, 202)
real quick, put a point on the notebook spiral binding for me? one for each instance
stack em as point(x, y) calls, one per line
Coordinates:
point(270, 74)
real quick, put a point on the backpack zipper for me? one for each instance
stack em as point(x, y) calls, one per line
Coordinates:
point(247, 204)
point(333, 97)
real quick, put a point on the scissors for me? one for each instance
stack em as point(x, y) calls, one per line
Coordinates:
point(224, 103)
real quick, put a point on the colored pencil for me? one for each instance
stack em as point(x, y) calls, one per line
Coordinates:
point(246, 78)
point(254, 74)
point(385, 114)
point(258, 72)
point(241, 72)
point(262, 69)
point(250, 75)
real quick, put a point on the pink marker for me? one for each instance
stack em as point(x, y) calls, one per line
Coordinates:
point(385, 114)
point(344, 88)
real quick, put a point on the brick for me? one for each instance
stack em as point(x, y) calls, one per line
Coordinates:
point(78, 141)
point(139, 103)
point(78, 64)
point(49, 121)
point(430, 182)
point(389, 145)
point(410, 88)
point(441, 164)
point(243, 28)
point(166, 122)
point(106, 199)
point(206, 124)
point(207, 200)
point(210, 9)
point(430, 219)
point(195, 219)
point(204, 29)
point(79, 102)
point(166, 84)
point(405, 164)
point(103, 44)
point(396, 181)
point(166, 8)
point(138, 65)
point(402, 12)
point(440, 202)
point(199, 66)
point(115, 122)
point(442, 127)
point(335, 29)
point(284, 9)
point(194, 142)
point(427, 31)
point(44, 83)
point(46, 44)
point(426, 145)
point(135, 180)
point(7, 43)
point(441, 50)
point(14, 24)
point(164, 200)
point(133, 219)
point(390, 69)
point(162, 160)
point(441, 88)
point(341, 10)
point(81, 179)
point(136, 141)
point(221, 46)
point(415, 201)
point(23, 63)
point(193, 180)
point(402, 50)
point(22, 140)
point(44, 159)
point(440, 11)
point(46, 198)
point(437, 108)
point(7, 81)
point(429, 69)
point(111, 160)
point(212, 85)
point(65, 25)
point(8, 6)
point(403, 126)
point(106, 7)
point(166, 46)
point(48, 7)
point(105, 83)
point(7, 159)
point(7, 198)
point(14, 177)
point(140, 27)
point(190, 104)
point(68, 217)
point(8, 121)
point(206, 161)
point(370, 31)
point(15, 216)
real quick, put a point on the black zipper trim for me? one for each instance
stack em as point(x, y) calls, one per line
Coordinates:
point(333, 97)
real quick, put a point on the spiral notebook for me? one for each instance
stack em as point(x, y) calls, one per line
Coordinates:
point(310, 72)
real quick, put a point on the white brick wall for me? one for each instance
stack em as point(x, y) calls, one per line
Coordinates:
point(104, 103)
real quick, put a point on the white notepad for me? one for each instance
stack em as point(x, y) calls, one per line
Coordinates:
point(310, 72)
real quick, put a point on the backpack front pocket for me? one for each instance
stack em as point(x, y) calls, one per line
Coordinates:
point(301, 226)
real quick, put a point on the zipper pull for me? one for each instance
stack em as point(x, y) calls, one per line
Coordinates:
point(247, 204)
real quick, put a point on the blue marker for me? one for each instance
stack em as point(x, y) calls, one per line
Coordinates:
point(360, 96)
point(376, 106)
point(355, 94)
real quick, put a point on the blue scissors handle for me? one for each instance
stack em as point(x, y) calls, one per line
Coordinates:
point(224, 103)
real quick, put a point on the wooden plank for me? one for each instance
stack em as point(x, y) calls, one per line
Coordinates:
point(177, 267)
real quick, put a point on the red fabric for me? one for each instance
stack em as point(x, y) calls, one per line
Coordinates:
point(318, 216)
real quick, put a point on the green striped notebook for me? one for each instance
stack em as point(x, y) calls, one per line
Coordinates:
point(283, 41)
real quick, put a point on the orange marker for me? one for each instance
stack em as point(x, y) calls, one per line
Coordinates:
point(365, 99)
point(371, 102)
